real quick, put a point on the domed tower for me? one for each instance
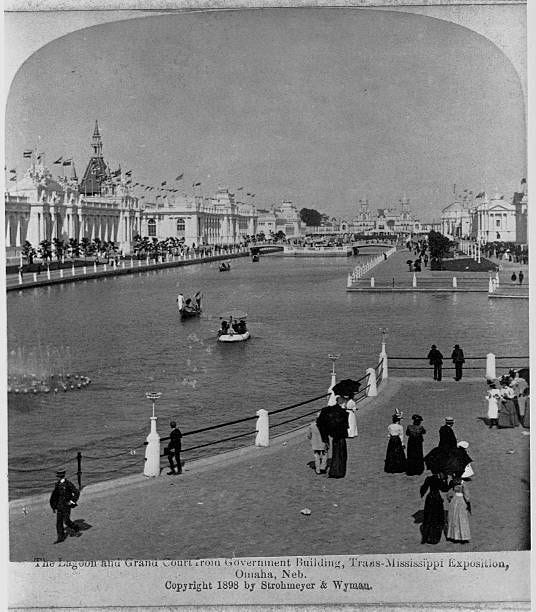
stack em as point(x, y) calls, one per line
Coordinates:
point(97, 171)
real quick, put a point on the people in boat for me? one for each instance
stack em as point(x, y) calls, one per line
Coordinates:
point(180, 301)
point(197, 298)
point(224, 327)
point(241, 327)
point(236, 327)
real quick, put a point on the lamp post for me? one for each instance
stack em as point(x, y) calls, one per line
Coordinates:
point(383, 354)
point(152, 452)
point(331, 395)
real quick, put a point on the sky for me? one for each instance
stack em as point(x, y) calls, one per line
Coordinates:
point(322, 107)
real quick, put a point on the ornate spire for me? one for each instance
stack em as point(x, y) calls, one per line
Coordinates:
point(96, 141)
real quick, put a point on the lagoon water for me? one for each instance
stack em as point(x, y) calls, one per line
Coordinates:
point(126, 335)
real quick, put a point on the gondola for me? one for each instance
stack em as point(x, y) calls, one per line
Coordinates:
point(190, 308)
point(234, 337)
point(255, 258)
point(225, 267)
point(188, 314)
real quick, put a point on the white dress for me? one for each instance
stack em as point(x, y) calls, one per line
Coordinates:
point(494, 397)
point(351, 409)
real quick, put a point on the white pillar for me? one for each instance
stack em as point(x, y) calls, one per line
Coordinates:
point(497, 278)
point(384, 360)
point(490, 366)
point(490, 285)
point(262, 428)
point(414, 282)
point(61, 272)
point(131, 262)
point(73, 270)
point(152, 452)
point(372, 391)
point(105, 267)
point(20, 278)
point(331, 396)
point(349, 281)
point(454, 282)
point(48, 272)
point(35, 277)
point(372, 281)
point(85, 269)
point(94, 266)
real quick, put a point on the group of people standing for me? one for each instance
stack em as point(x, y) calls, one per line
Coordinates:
point(508, 402)
point(435, 358)
point(450, 467)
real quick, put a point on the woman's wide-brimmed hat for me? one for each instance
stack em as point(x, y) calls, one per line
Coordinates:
point(416, 417)
point(449, 419)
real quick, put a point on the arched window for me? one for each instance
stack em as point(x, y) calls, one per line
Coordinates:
point(151, 227)
point(181, 225)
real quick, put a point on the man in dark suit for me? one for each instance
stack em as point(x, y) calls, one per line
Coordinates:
point(458, 359)
point(174, 449)
point(436, 359)
point(63, 499)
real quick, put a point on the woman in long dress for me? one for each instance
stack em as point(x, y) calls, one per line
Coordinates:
point(351, 409)
point(459, 508)
point(434, 512)
point(415, 433)
point(395, 459)
point(507, 408)
point(333, 422)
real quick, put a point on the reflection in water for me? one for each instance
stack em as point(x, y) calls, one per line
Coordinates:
point(126, 335)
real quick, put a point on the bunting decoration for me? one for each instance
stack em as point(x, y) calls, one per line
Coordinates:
point(179, 178)
point(58, 161)
point(163, 183)
point(196, 184)
point(240, 189)
point(129, 173)
point(27, 154)
point(13, 171)
point(67, 162)
point(13, 178)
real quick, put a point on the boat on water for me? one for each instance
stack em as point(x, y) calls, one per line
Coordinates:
point(234, 337)
point(189, 308)
point(225, 266)
point(233, 327)
point(255, 258)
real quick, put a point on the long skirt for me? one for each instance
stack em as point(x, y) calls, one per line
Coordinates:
point(337, 468)
point(458, 520)
point(434, 518)
point(415, 462)
point(395, 459)
point(508, 414)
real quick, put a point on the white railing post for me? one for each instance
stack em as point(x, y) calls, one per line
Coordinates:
point(372, 390)
point(131, 262)
point(414, 282)
point(349, 281)
point(490, 366)
point(35, 277)
point(454, 282)
point(94, 266)
point(497, 278)
point(152, 452)
point(262, 428)
point(105, 267)
point(61, 272)
point(48, 272)
point(72, 270)
point(84, 269)
point(384, 360)
point(372, 281)
point(491, 285)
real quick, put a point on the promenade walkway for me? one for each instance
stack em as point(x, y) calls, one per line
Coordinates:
point(248, 503)
point(393, 275)
point(127, 266)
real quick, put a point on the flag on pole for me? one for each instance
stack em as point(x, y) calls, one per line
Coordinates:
point(67, 162)
point(179, 178)
point(163, 183)
point(128, 173)
point(27, 154)
point(252, 195)
point(240, 189)
point(248, 194)
point(59, 160)
point(39, 156)
point(117, 172)
point(13, 171)
point(196, 184)
point(13, 178)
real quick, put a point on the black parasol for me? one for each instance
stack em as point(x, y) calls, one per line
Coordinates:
point(346, 387)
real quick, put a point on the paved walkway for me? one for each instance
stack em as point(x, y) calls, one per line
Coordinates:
point(249, 504)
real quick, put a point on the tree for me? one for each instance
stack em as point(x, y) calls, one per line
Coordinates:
point(310, 217)
point(45, 250)
point(280, 235)
point(59, 247)
point(28, 251)
point(85, 246)
point(74, 247)
point(439, 247)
